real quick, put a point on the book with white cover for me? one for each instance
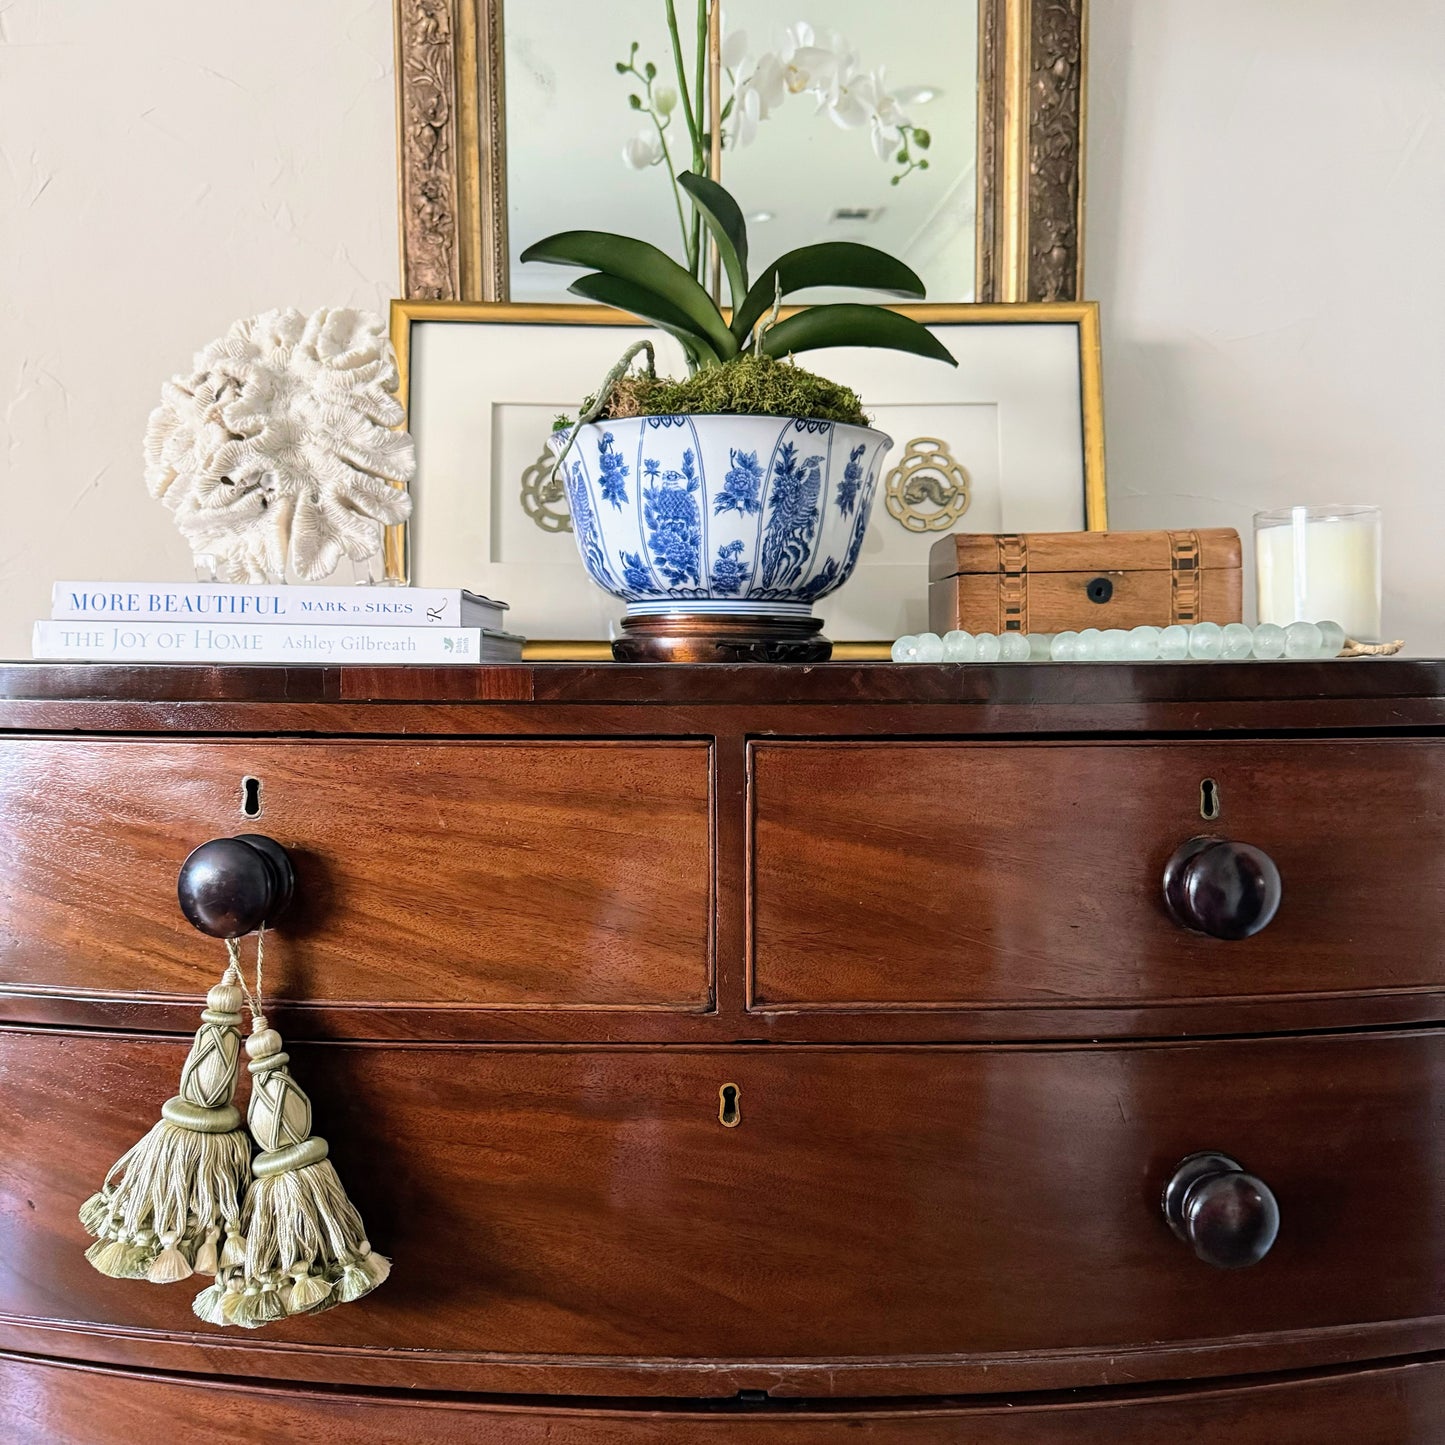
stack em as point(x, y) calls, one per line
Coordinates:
point(241, 642)
point(248, 602)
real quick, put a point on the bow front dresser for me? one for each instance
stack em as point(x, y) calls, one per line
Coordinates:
point(758, 1056)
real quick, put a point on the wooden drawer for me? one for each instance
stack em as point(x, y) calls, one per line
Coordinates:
point(881, 1222)
point(1030, 875)
point(561, 874)
point(47, 1404)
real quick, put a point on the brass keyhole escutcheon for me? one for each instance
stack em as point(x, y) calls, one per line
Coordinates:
point(1209, 800)
point(729, 1111)
point(250, 797)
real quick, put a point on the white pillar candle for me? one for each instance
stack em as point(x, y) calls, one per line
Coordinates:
point(1317, 564)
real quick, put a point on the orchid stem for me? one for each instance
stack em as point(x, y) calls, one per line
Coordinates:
point(676, 193)
point(650, 109)
point(699, 150)
point(682, 90)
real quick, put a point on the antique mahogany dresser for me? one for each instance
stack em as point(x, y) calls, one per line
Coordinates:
point(758, 1056)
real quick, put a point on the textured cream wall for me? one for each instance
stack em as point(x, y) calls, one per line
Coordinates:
point(165, 167)
point(1266, 195)
point(1266, 208)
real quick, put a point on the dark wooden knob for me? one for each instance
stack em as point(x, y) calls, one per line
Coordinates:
point(1226, 1216)
point(1225, 889)
point(231, 886)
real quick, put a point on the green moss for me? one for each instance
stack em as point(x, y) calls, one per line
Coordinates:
point(748, 385)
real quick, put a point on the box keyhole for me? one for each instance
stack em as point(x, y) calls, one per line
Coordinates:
point(729, 1113)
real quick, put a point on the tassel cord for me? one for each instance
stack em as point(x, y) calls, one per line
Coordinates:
point(254, 1002)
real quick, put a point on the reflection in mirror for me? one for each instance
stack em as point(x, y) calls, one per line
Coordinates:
point(860, 128)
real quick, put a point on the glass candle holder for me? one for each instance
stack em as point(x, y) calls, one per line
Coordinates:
point(1316, 564)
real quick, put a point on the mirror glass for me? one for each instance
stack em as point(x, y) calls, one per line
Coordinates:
point(824, 121)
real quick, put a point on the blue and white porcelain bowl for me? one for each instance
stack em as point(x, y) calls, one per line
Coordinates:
point(733, 515)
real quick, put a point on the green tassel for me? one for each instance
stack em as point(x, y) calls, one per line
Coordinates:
point(306, 1292)
point(121, 1258)
point(376, 1265)
point(184, 1177)
point(233, 1252)
point(207, 1260)
point(95, 1212)
point(354, 1283)
point(169, 1266)
point(207, 1304)
point(231, 1301)
point(259, 1305)
point(305, 1245)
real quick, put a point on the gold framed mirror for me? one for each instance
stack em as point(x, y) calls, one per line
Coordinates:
point(1007, 175)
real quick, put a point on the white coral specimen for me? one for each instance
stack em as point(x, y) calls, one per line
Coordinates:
point(278, 448)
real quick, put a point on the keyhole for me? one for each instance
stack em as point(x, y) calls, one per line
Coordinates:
point(250, 797)
point(729, 1114)
point(1209, 799)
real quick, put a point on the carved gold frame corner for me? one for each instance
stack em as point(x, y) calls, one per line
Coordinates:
point(452, 149)
point(1032, 108)
point(451, 126)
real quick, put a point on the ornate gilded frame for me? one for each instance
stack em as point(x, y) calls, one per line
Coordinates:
point(451, 129)
point(1085, 314)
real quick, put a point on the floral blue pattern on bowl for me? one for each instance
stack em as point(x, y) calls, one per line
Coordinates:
point(732, 514)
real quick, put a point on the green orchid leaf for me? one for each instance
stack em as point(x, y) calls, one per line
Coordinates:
point(645, 266)
point(725, 220)
point(626, 296)
point(833, 263)
point(852, 325)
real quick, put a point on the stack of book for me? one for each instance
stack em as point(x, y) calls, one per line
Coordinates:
point(219, 622)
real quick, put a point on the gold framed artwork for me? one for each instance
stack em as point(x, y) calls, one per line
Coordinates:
point(1010, 440)
point(496, 126)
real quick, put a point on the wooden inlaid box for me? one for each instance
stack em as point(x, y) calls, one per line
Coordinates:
point(1061, 581)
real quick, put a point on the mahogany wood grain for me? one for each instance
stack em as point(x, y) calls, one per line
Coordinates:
point(436, 873)
point(728, 705)
point(52, 1404)
point(1032, 875)
point(945, 1219)
point(563, 861)
point(732, 1021)
point(1281, 694)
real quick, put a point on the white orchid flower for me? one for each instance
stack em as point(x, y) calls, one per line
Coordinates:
point(888, 118)
point(818, 64)
point(642, 151)
point(759, 91)
point(734, 50)
point(886, 140)
point(806, 62)
point(811, 63)
point(747, 112)
point(811, 68)
point(852, 103)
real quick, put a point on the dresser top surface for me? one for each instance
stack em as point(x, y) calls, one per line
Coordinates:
point(1015, 685)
